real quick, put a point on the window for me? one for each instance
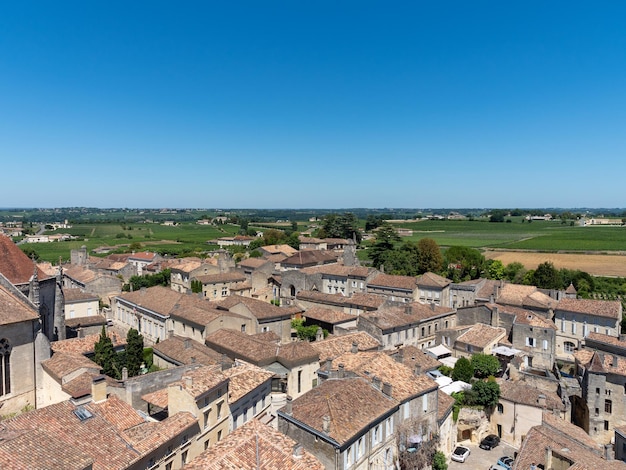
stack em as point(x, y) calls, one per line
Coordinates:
point(389, 426)
point(597, 390)
point(219, 435)
point(423, 330)
point(530, 342)
point(597, 411)
point(500, 408)
point(608, 406)
point(376, 438)
point(545, 344)
point(207, 415)
point(5, 367)
point(569, 346)
point(606, 425)
point(206, 444)
point(243, 328)
point(219, 409)
point(574, 327)
point(183, 458)
point(425, 403)
point(168, 466)
point(224, 291)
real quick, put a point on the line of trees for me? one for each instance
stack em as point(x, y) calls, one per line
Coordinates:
point(113, 362)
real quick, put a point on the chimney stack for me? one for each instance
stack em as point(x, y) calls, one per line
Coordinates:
point(188, 381)
point(124, 373)
point(541, 400)
point(387, 389)
point(376, 382)
point(288, 409)
point(341, 371)
point(608, 452)
point(298, 451)
point(418, 369)
point(98, 389)
point(400, 356)
point(614, 361)
point(433, 306)
point(326, 424)
point(187, 343)
point(329, 364)
point(355, 347)
point(548, 464)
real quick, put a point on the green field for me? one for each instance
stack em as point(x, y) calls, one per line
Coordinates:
point(189, 237)
point(538, 235)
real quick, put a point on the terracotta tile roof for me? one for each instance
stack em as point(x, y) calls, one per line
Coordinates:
point(601, 308)
point(583, 356)
point(199, 381)
point(604, 363)
point(186, 265)
point(433, 280)
point(335, 346)
point(393, 282)
point(81, 385)
point(481, 335)
point(394, 316)
point(244, 378)
point(514, 294)
point(285, 250)
point(252, 263)
point(444, 404)
point(14, 307)
point(310, 257)
point(86, 344)
point(14, 264)
point(563, 444)
point(55, 437)
point(76, 295)
point(520, 392)
point(228, 277)
point(158, 398)
point(195, 315)
point(606, 339)
point(143, 256)
point(556, 424)
point(242, 346)
point(268, 336)
point(412, 356)
point(370, 301)
point(76, 322)
point(149, 437)
point(339, 270)
point(254, 446)
point(80, 273)
point(368, 364)
point(185, 351)
point(539, 300)
point(260, 352)
point(351, 404)
point(488, 288)
point(526, 317)
point(240, 286)
point(260, 309)
point(60, 365)
point(328, 315)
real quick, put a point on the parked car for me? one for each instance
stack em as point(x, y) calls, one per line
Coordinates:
point(489, 442)
point(497, 467)
point(506, 462)
point(460, 454)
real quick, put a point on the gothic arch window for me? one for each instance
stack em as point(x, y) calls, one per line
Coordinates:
point(5, 367)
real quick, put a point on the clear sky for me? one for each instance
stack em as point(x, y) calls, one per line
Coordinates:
point(323, 104)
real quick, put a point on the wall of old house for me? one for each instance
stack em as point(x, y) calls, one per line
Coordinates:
point(544, 340)
point(22, 366)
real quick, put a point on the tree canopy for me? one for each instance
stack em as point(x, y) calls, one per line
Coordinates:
point(484, 365)
point(344, 225)
point(134, 352)
point(430, 258)
point(463, 370)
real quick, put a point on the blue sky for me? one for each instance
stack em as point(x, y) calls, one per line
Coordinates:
point(326, 104)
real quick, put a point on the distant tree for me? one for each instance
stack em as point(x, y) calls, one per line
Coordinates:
point(149, 280)
point(344, 225)
point(486, 393)
point(105, 355)
point(495, 269)
point(464, 263)
point(514, 272)
point(430, 258)
point(386, 236)
point(484, 365)
point(134, 352)
point(196, 286)
point(546, 276)
point(30, 252)
point(135, 246)
point(496, 217)
point(463, 370)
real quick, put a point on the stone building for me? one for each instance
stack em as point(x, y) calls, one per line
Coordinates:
point(433, 289)
point(536, 336)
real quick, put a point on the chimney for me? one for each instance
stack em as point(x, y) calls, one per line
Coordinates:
point(355, 347)
point(491, 299)
point(298, 451)
point(495, 317)
point(80, 333)
point(376, 382)
point(326, 424)
point(614, 361)
point(608, 452)
point(399, 357)
point(541, 400)
point(548, 464)
point(418, 369)
point(98, 389)
point(329, 364)
point(188, 381)
point(341, 371)
point(288, 408)
point(387, 389)
point(124, 373)
point(170, 333)
point(433, 306)
point(187, 343)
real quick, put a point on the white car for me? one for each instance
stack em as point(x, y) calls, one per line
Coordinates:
point(460, 454)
